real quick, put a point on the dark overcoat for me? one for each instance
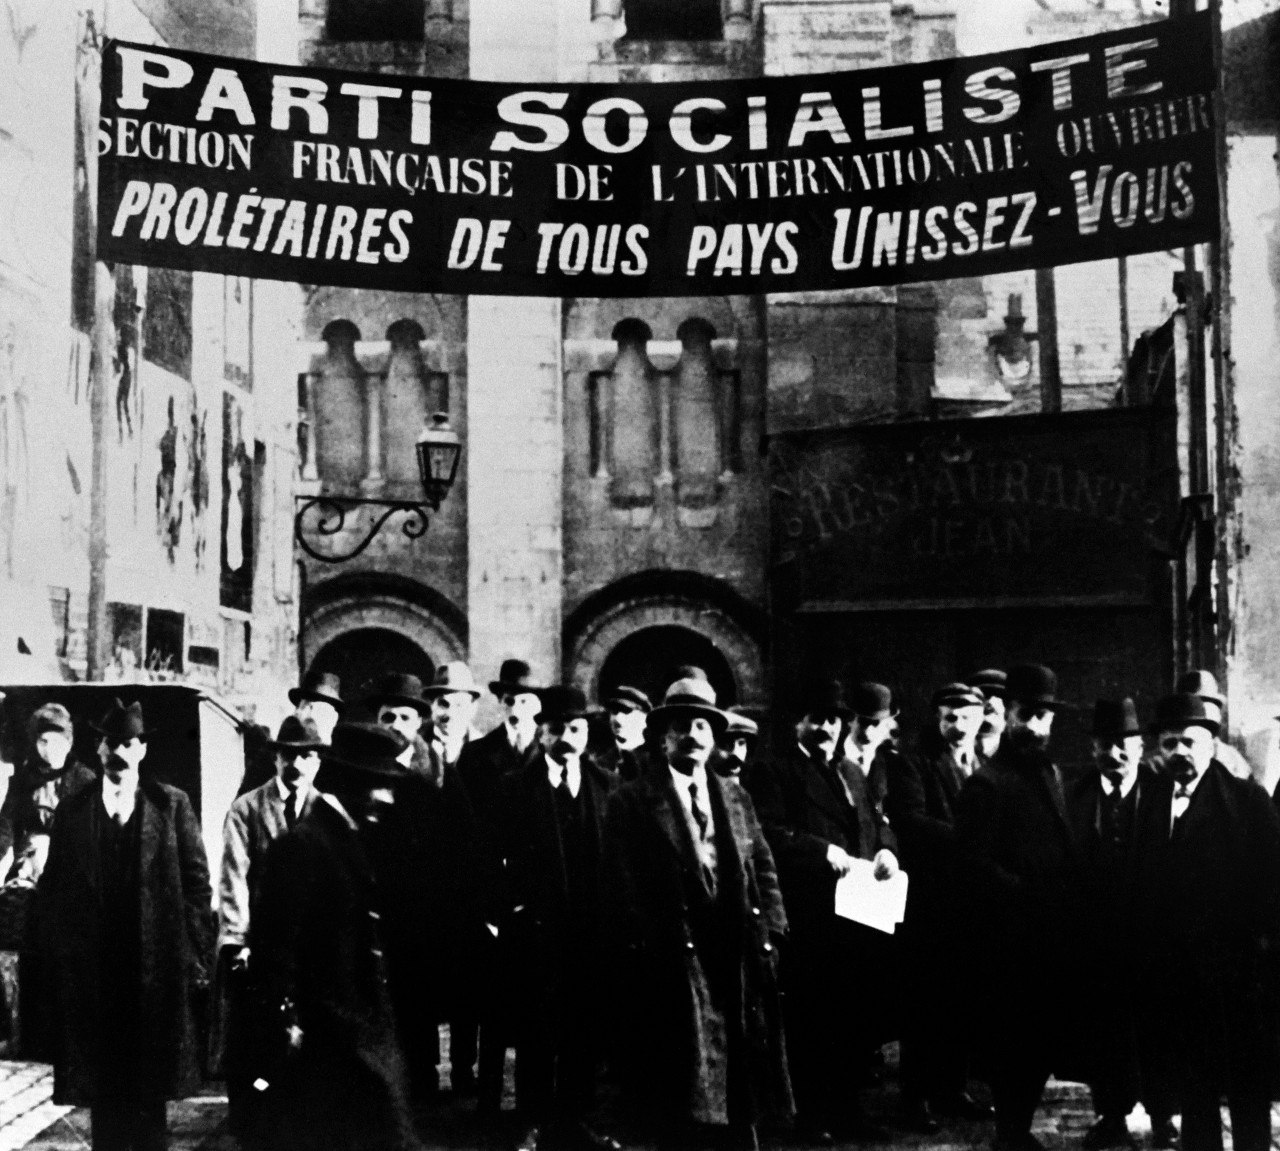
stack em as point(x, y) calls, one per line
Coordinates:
point(316, 956)
point(174, 945)
point(679, 1054)
point(485, 762)
point(20, 817)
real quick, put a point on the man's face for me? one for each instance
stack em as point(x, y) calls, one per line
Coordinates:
point(819, 732)
point(959, 725)
point(562, 739)
point(866, 735)
point(451, 714)
point(1120, 753)
point(120, 756)
point(735, 747)
point(367, 804)
point(1029, 725)
point(627, 724)
point(993, 718)
point(298, 768)
point(323, 715)
point(520, 708)
point(1186, 751)
point(688, 742)
point(53, 747)
point(406, 720)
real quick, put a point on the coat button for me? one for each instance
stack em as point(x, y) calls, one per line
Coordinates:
point(688, 946)
point(756, 912)
point(373, 914)
point(768, 947)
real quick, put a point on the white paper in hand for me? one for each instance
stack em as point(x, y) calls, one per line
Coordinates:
point(863, 898)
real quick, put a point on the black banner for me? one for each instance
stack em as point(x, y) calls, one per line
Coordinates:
point(1073, 150)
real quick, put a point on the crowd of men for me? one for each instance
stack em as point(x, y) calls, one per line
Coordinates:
point(658, 916)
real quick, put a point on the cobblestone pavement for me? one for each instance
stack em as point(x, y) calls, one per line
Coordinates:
point(29, 1119)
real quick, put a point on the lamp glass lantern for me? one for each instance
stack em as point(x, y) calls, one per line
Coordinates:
point(438, 449)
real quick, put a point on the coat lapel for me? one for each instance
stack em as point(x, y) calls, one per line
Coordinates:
point(545, 826)
point(668, 813)
point(150, 828)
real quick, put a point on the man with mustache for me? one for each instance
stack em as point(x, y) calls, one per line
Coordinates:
point(938, 1016)
point(735, 748)
point(819, 816)
point(124, 913)
point(698, 918)
point(1013, 827)
point(991, 682)
point(551, 839)
point(1104, 805)
point(1208, 888)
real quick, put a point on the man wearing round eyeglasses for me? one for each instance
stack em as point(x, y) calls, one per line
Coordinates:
point(255, 821)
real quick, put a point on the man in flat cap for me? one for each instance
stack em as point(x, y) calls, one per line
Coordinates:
point(1208, 889)
point(255, 821)
point(736, 746)
point(938, 1008)
point(1104, 804)
point(430, 853)
point(551, 835)
point(991, 682)
point(124, 911)
point(820, 817)
point(699, 922)
point(628, 710)
point(1013, 824)
point(338, 1083)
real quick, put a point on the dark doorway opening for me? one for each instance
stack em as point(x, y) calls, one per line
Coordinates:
point(649, 659)
point(357, 657)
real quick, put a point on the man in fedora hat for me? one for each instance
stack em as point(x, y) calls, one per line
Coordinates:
point(699, 921)
point(319, 698)
point(125, 922)
point(1208, 891)
point(1012, 823)
point(991, 682)
point(735, 748)
point(1202, 683)
point(431, 856)
point(628, 710)
point(819, 816)
point(551, 837)
point(510, 745)
point(1104, 804)
point(255, 821)
point(317, 954)
point(938, 1010)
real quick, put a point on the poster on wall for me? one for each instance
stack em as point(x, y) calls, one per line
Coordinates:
point(236, 584)
point(1064, 152)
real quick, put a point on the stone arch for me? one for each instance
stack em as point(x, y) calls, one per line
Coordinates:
point(596, 638)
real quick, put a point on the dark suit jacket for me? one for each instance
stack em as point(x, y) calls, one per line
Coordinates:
point(677, 1053)
point(539, 929)
point(803, 812)
point(316, 944)
point(484, 763)
point(174, 944)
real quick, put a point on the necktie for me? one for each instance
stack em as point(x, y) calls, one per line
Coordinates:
point(1115, 778)
point(699, 816)
point(290, 806)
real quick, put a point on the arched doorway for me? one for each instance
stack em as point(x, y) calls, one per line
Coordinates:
point(649, 659)
point(358, 656)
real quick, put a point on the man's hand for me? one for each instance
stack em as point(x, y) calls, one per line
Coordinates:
point(885, 863)
point(841, 861)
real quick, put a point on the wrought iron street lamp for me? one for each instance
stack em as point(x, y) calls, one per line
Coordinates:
point(438, 450)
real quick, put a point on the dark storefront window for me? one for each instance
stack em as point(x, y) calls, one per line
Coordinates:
point(351, 20)
point(673, 19)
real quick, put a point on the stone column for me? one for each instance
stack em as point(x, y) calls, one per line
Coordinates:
point(513, 443)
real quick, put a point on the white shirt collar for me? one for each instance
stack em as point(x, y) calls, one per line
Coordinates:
point(682, 781)
point(1126, 784)
point(571, 772)
point(120, 798)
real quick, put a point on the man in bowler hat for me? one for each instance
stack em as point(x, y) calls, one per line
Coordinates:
point(319, 698)
point(1104, 805)
point(551, 837)
point(1208, 890)
point(699, 924)
point(819, 816)
point(938, 1009)
point(338, 1083)
point(1013, 825)
point(125, 921)
point(256, 820)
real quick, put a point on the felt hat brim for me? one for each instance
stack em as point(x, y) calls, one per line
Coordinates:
point(668, 711)
point(298, 694)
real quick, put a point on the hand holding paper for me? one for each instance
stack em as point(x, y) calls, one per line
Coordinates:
point(878, 903)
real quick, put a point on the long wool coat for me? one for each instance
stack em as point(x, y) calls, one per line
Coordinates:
point(681, 1056)
point(174, 946)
